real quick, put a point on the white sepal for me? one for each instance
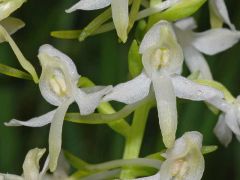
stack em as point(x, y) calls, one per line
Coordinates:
point(87, 102)
point(187, 89)
point(120, 18)
point(130, 92)
point(215, 40)
point(219, 9)
point(89, 5)
point(34, 122)
point(222, 131)
point(31, 164)
point(196, 62)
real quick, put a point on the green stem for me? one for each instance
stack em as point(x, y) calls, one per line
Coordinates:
point(135, 137)
point(120, 126)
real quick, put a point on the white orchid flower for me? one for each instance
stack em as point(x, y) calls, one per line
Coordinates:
point(209, 42)
point(119, 12)
point(219, 14)
point(162, 60)
point(58, 85)
point(11, 24)
point(30, 167)
point(229, 121)
point(183, 161)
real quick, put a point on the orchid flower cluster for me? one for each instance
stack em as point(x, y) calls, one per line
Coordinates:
point(165, 40)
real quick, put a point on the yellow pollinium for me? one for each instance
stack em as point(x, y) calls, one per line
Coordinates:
point(160, 58)
point(179, 169)
point(58, 85)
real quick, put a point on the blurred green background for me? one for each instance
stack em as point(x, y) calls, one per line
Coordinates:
point(103, 60)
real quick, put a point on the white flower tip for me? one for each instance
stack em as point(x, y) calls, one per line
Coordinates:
point(45, 48)
point(89, 5)
point(13, 122)
point(195, 136)
point(70, 10)
point(123, 37)
point(31, 163)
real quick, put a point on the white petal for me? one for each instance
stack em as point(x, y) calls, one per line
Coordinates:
point(215, 40)
point(120, 17)
point(220, 104)
point(87, 103)
point(219, 8)
point(186, 24)
point(130, 92)
point(55, 134)
point(10, 177)
point(196, 62)
point(231, 120)
point(11, 25)
point(7, 7)
point(222, 131)
point(31, 163)
point(89, 5)
point(166, 105)
point(187, 89)
point(34, 122)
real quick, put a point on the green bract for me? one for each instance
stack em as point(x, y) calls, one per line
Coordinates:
point(181, 10)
